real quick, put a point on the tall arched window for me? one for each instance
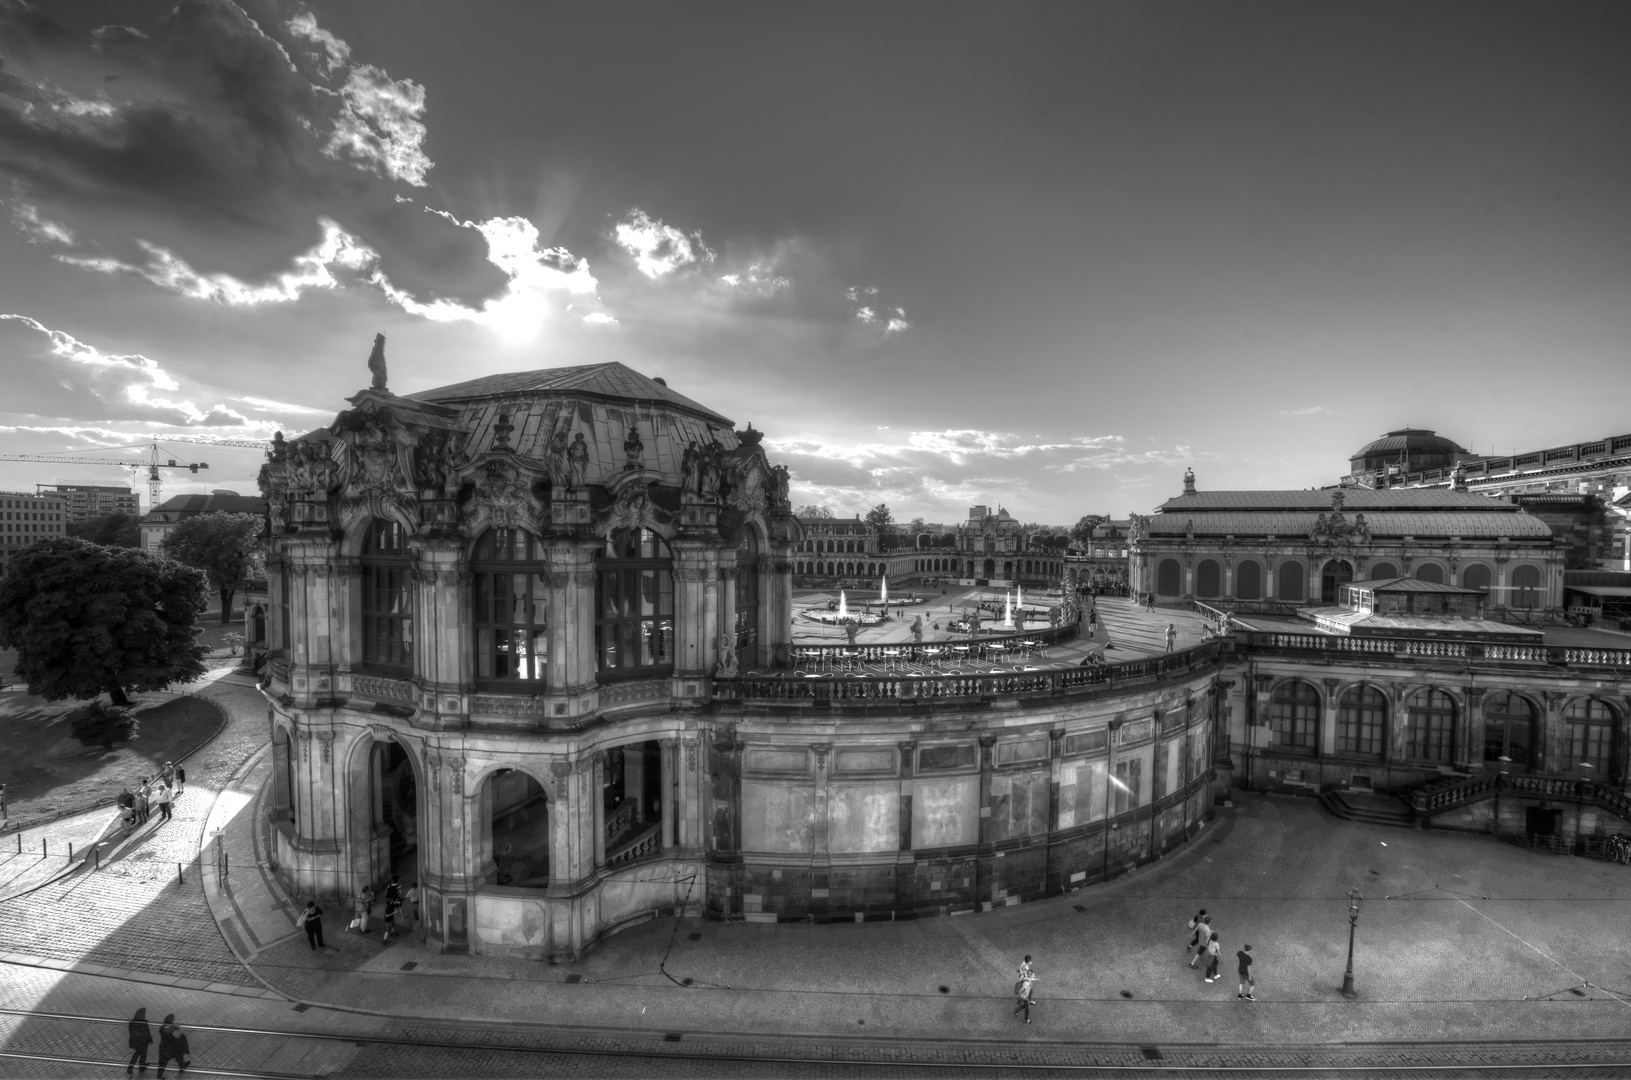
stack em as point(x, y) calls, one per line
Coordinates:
point(1588, 726)
point(1208, 579)
point(1294, 717)
point(1249, 581)
point(634, 628)
point(1169, 578)
point(1334, 575)
point(1477, 577)
point(511, 623)
point(748, 566)
point(1361, 721)
point(1509, 729)
point(1291, 581)
point(1430, 572)
point(387, 597)
point(1383, 571)
point(1525, 587)
point(1430, 727)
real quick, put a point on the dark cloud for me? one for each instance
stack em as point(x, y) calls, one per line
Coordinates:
point(213, 135)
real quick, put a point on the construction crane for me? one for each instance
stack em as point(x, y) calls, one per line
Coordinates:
point(153, 463)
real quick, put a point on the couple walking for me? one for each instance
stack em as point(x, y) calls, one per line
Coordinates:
point(1204, 941)
point(172, 1044)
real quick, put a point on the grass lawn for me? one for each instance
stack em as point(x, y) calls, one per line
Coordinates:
point(45, 769)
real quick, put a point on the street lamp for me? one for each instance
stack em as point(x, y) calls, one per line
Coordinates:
point(1353, 922)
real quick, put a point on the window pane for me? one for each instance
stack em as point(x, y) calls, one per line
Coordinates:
point(648, 592)
point(540, 596)
point(516, 615)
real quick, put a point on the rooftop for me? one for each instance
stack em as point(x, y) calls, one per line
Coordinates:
point(610, 381)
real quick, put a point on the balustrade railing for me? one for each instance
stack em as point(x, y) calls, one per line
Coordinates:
point(1456, 650)
point(927, 652)
point(620, 820)
point(638, 846)
point(914, 686)
point(1447, 794)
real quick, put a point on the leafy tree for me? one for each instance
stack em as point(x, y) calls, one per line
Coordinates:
point(110, 530)
point(85, 619)
point(100, 724)
point(1082, 531)
point(813, 511)
point(224, 546)
point(879, 517)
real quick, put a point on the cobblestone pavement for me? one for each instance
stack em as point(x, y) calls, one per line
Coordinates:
point(135, 912)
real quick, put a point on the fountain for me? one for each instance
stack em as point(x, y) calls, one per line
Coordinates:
point(842, 614)
point(1008, 609)
point(883, 590)
point(843, 605)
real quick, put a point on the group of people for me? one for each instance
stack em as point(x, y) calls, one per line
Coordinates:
point(172, 1044)
point(157, 792)
point(1204, 943)
point(362, 912)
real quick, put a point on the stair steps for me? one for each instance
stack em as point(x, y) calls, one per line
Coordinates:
point(1374, 809)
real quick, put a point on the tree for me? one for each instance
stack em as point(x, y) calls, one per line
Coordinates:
point(882, 520)
point(222, 545)
point(85, 619)
point(1082, 531)
point(100, 724)
point(813, 512)
point(110, 530)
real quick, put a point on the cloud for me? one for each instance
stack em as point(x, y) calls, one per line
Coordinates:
point(658, 249)
point(37, 230)
point(866, 310)
point(335, 52)
point(124, 385)
point(379, 125)
point(268, 405)
point(1311, 410)
point(755, 280)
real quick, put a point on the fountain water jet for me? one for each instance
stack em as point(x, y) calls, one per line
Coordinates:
point(843, 605)
point(883, 589)
point(1008, 609)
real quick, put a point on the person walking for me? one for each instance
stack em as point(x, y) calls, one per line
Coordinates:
point(361, 908)
point(181, 779)
point(1149, 601)
point(1203, 934)
point(413, 905)
point(1172, 636)
point(141, 1037)
point(1024, 989)
point(1247, 984)
point(172, 1045)
point(144, 807)
point(162, 797)
point(127, 809)
point(1214, 951)
point(393, 904)
point(312, 920)
point(1195, 929)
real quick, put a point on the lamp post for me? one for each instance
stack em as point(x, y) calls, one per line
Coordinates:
point(1109, 779)
point(1353, 923)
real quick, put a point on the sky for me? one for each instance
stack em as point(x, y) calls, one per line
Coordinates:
point(1043, 256)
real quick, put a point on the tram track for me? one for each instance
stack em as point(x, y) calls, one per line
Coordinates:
point(59, 1043)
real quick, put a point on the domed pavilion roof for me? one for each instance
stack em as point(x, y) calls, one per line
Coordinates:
point(1418, 442)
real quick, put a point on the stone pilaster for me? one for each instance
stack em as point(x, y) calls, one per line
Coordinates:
point(697, 624)
point(442, 631)
point(571, 608)
point(671, 805)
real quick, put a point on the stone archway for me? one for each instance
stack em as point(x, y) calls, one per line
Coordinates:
point(385, 794)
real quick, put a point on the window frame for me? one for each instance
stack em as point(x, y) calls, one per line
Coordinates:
point(1291, 718)
point(1588, 721)
point(393, 567)
point(492, 559)
point(627, 633)
point(1438, 713)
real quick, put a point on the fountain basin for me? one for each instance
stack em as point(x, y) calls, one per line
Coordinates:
point(834, 618)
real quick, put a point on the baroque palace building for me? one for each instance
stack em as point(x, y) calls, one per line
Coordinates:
point(530, 648)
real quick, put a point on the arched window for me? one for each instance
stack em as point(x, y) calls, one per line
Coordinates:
point(748, 567)
point(1509, 729)
point(1383, 571)
point(387, 597)
point(1477, 577)
point(283, 775)
point(515, 839)
point(1249, 581)
point(1430, 572)
point(1588, 727)
point(634, 627)
point(1208, 579)
point(1430, 726)
point(1361, 721)
point(1294, 717)
point(1334, 575)
point(1169, 578)
point(511, 597)
point(1525, 587)
point(1291, 581)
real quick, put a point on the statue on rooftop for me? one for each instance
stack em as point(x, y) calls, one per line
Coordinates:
point(376, 362)
point(577, 459)
point(634, 448)
point(555, 459)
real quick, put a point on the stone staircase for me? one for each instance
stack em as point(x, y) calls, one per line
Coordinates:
point(1364, 806)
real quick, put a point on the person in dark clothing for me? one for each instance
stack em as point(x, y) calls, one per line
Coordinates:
point(172, 1045)
point(393, 904)
point(1248, 985)
point(312, 920)
point(141, 1037)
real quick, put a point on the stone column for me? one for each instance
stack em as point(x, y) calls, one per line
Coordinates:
point(564, 845)
point(597, 801)
point(441, 626)
point(690, 797)
point(1469, 731)
point(571, 611)
point(697, 624)
point(670, 807)
point(346, 597)
point(1549, 736)
point(1328, 718)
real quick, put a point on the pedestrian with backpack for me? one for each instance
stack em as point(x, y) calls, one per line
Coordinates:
point(173, 1045)
point(312, 921)
point(141, 1037)
point(1202, 925)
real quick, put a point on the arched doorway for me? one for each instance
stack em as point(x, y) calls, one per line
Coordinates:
point(398, 809)
point(1509, 731)
point(990, 569)
point(1383, 571)
point(1476, 576)
point(634, 804)
point(1337, 573)
point(1432, 573)
point(1208, 579)
point(1169, 578)
point(1249, 581)
point(515, 830)
point(1291, 581)
point(383, 814)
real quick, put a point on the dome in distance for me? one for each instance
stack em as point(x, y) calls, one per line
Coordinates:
point(1412, 448)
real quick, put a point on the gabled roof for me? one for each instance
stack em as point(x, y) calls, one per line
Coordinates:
point(1410, 584)
point(180, 506)
point(611, 381)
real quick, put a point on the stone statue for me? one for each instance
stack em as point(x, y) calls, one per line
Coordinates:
point(430, 460)
point(727, 658)
point(709, 468)
point(279, 450)
point(691, 469)
point(1336, 501)
point(917, 630)
point(851, 629)
point(501, 432)
point(1361, 529)
point(634, 448)
point(376, 362)
point(779, 482)
point(577, 461)
point(555, 459)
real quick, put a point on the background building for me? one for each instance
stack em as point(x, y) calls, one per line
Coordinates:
point(173, 511)
point(82, 502)
point(26, 518)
